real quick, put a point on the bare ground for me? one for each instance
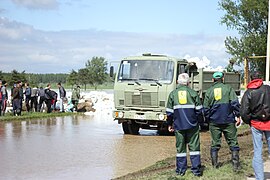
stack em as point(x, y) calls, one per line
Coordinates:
point(246, 152)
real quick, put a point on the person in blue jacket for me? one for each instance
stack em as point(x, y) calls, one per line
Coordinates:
point(222, 111)
point(183, 109)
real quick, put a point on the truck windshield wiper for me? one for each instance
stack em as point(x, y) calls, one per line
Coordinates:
point(150, 79)
point(131, 79)
point(137, 83)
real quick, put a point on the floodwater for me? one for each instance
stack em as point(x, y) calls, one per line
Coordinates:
point(77, 147)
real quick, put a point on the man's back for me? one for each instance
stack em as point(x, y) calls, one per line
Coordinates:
point(256, 102)
point(221, 104)
point(184, 101)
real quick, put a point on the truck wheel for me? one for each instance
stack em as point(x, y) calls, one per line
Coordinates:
point(133, 128)
point(125, 127)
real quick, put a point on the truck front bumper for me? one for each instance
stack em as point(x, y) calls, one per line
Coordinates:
point(123, 115)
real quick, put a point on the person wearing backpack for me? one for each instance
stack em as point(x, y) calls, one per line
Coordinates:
point(255, 111)
point(62, 94)
point(27, 94)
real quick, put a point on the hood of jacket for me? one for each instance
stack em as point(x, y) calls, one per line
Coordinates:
point(254, 84)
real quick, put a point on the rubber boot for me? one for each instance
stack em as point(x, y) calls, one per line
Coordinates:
point(214, 157)
point(235, 160)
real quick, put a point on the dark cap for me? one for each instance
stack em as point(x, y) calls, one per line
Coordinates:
point(218, 75)
point(255, 75)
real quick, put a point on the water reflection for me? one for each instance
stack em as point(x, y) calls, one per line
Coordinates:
point(76, 147)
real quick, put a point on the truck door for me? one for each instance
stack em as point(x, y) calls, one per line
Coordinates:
point(181, 68)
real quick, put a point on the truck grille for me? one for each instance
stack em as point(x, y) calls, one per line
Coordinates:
point(142, 99)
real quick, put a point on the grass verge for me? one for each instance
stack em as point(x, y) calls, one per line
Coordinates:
point(35, 115)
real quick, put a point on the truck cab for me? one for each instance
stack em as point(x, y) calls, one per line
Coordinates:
point(142, 86)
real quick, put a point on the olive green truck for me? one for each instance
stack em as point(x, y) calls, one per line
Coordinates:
point(142, 86)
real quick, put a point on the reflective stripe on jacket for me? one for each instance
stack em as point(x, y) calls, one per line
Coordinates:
point(221, 104)
point(183, 108)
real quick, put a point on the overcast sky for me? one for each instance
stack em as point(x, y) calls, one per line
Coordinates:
point(56, 36)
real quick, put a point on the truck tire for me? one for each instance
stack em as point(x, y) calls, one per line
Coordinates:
point(125, 127)
point(133, 128)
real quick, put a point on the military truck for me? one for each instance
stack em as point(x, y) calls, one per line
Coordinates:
point(142, 86)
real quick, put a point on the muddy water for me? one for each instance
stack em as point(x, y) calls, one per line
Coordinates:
point(78, 147)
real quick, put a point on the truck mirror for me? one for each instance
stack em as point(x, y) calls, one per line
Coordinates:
point(111, 71)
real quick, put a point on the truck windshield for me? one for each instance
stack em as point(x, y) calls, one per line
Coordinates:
point(146, 70)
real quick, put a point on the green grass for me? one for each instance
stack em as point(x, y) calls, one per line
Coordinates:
point(34, 115)
point(224, 172)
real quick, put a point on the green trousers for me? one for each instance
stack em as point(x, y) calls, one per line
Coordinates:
point(190, 137)
point(230, 134)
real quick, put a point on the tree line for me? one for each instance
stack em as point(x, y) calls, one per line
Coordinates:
point(34, 79)
point(94, 73)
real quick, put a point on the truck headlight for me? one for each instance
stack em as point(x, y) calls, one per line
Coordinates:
point(161, 116)
point(119, 114)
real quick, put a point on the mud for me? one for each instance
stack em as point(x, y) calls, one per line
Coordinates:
point(245, 142)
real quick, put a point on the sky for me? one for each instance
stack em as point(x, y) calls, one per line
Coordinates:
point(57, 36)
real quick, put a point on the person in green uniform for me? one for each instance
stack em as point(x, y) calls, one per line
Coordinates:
point(183, 109)
point(222, 111)
point(75, 97)
point(230, 68)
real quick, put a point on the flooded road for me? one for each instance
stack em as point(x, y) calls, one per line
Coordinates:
point(76, 147)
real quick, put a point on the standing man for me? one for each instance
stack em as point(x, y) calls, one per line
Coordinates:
point(17, 100)
point(183, 108)
point(34, 101)
point(4, 97)
point(41, 95)
point(27, 93)
point(11, 96)
point(1, 97)
point(62, 94)
point(221, 106)
point(75, 96)
point(48, 98)
point(255, 111)
point(21, 95)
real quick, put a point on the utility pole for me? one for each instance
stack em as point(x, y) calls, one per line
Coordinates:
point(268, 47)
point(246, 67)
point(246, 72)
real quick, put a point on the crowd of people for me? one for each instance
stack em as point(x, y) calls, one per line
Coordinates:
point(37, 99)
point(223, 112)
